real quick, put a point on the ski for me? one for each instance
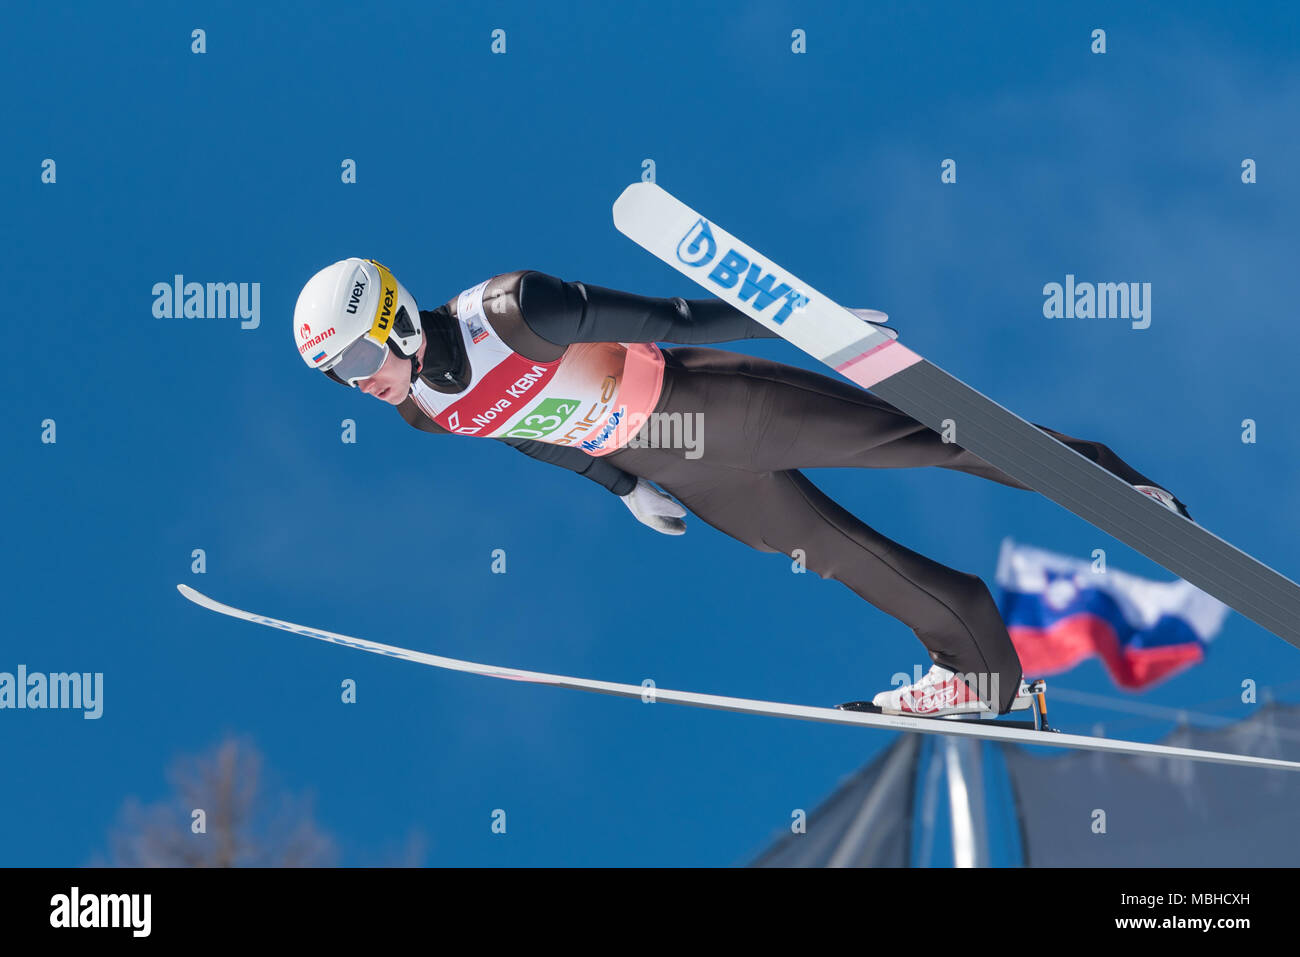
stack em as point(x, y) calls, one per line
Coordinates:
point(701, 250)
point(988, 729)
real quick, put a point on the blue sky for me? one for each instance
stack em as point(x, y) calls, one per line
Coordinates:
point(176, 434)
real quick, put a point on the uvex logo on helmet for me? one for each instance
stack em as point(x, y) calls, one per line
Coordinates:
point(358, 290)
point(384, 321)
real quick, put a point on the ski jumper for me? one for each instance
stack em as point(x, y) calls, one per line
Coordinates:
point(544, 344)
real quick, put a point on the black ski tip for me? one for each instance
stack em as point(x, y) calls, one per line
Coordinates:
point(858, 706)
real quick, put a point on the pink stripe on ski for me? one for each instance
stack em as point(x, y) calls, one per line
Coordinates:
point(877, 364)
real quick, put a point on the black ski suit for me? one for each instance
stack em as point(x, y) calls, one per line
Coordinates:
point(765, 421)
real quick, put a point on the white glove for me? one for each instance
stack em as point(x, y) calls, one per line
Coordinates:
point(652, 507)
point(876, 318)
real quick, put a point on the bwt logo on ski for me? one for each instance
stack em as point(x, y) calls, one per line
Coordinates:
point(698, 248)
point(102, 910)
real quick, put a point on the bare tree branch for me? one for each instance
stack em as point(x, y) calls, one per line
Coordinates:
point(246, 826)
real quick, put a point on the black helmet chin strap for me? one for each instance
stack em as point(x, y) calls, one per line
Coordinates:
point(405, 324)
point(415, 363)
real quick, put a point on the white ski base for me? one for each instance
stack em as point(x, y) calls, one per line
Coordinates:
point(975, 729)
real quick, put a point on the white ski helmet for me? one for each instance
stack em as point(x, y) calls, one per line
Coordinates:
point(347, 317)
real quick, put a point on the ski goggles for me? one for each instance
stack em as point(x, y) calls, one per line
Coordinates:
point(358, 361)
point(364, 357)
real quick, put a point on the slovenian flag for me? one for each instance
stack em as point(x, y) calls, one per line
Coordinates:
point(1060, 611)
